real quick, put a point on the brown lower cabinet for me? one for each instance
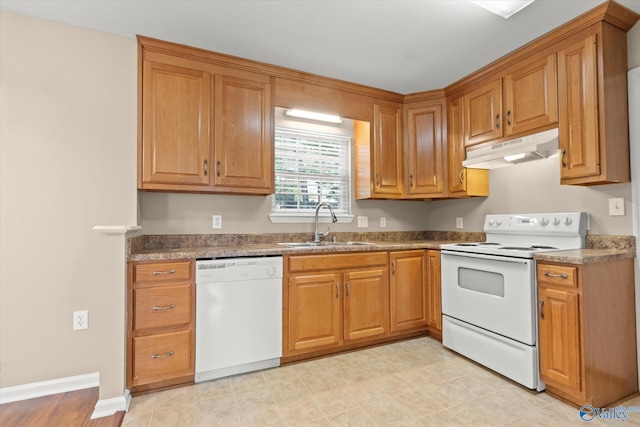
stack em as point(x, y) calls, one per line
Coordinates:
point(587, 331)
point(161, 324)
point(343, 301)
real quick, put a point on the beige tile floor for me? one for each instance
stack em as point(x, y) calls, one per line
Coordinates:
point(411, 383)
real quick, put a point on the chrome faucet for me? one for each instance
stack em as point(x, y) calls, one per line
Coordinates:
point(334, 218)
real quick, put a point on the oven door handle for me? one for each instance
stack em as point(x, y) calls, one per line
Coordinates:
point(446, 253)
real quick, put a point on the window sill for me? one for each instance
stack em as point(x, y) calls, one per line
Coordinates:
point(299, 218)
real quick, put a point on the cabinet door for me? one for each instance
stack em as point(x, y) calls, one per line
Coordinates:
point(314, 314)
point(425, 151)
point(577, 96)
point(366, 303)
point(483, 109)
point(559, 329)
point(456, 152)
point(387, 152)
point(243, 143)
point(176, 152)
point(408, 289)
point(434, 295)
point(531, 96)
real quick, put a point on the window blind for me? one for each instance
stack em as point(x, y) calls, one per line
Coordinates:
point(311, 168)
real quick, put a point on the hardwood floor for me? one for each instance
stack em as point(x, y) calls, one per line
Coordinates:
point(70, 409)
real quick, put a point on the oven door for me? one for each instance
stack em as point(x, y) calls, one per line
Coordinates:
point(491, 292)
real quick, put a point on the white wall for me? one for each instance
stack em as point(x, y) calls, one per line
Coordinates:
point(535, 187)
point(67, 163)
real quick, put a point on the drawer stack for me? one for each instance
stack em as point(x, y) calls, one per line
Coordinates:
point(161, 324)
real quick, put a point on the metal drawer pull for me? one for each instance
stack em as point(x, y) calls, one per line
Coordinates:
point(562, 276)
point(206, 172)
point(541, 312)
point(160, 356)
point(166, 307)
point(337, 290)
point(564, 165)
point(348, 288)
point(497, 121)
point(393, 268)
point(155, 273)
point(460, 176)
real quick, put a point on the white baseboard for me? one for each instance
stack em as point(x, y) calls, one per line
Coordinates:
point(108, 407)
point(47, 388)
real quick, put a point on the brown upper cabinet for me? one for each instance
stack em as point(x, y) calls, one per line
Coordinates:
point(204, 127)
point(525, 100)
point(379, 155)
point(387, 151)
point(425, 149)
point(594, 127)
point(462, 182)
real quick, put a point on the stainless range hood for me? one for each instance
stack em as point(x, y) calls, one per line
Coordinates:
point(531, 147)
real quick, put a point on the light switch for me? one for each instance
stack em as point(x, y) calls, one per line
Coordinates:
point(616, 206)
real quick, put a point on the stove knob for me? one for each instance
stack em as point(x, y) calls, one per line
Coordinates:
point(568, 221)
point(491, 221)
point(499, 221)
point(556, 221)
point(544, 221)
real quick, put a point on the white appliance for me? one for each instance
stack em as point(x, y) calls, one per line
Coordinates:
point(531, 147)
point(238, 316)
point(489, 290)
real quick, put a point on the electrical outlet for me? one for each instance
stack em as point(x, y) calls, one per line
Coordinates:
point(459, 223)
point(80, 320)
point(217, 222)
point(616, 206)
point(383, 221)
point(363, 221)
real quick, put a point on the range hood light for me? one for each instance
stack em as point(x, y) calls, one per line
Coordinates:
point(515, 157)
point(310, 115)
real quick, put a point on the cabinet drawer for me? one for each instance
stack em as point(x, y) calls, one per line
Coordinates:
point(558, 275)
point(162, 356)
point(162, 306)
point(162, 271)
point(300, 263)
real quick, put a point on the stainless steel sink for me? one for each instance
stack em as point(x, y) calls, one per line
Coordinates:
point(317, 244)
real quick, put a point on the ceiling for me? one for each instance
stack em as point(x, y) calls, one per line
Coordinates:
point(401, 46)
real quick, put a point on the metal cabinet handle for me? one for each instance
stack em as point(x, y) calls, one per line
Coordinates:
point(411, 180)
point(377, 180)
point(393, 268)
point(206, 163)
point(564, 165)
point(218, 168)
point(541, 302)
point(337, 290)
point(348, 285)
point(155, 273)
point(509, 117)
point(460, 177)
point(498, 121)
point(166, 307)
point(562, 276)
point(160, 356)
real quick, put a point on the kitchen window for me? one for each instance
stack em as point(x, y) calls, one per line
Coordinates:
point(310, 168)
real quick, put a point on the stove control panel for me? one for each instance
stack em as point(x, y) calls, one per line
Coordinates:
point(560, 223)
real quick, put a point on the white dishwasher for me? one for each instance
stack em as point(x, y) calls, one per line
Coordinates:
point(238, 316)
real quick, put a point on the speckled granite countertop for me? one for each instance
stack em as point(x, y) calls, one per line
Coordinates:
point(585, 256)
point(170, 247)
point(158, 248)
